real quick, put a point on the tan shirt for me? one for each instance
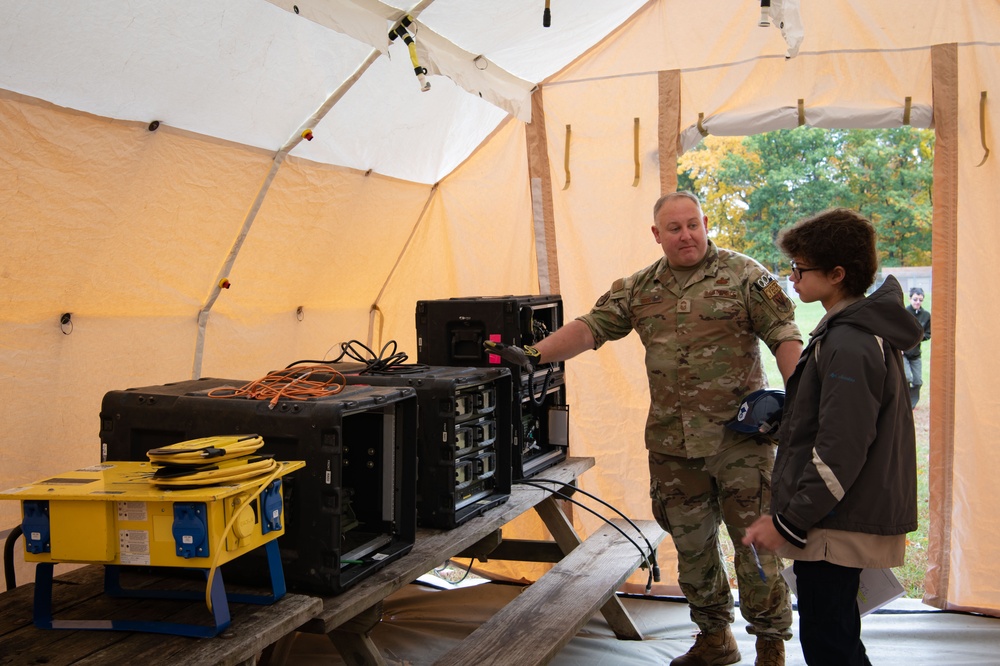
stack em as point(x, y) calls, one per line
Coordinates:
point(849, 549)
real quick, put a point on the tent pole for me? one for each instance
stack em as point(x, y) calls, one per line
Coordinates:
point(540, 182)
point(669, 127)
point(279, 157)
point(941, 469)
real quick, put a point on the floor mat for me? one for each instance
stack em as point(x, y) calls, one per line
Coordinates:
point(421, 623)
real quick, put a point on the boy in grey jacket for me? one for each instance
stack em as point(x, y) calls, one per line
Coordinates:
point(843, 489)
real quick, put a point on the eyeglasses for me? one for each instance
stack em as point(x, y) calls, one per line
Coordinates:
point(797, 270)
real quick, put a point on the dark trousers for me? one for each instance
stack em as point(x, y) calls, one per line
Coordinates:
point(829, 620)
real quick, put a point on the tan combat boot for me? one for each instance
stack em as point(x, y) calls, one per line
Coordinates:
point(770, 651)
point(717, 648)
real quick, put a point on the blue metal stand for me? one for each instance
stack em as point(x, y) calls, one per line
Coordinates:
point(112, 586)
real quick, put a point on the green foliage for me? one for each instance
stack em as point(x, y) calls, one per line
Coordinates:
point(754, 188)
point(891, 185)
point(700, 172)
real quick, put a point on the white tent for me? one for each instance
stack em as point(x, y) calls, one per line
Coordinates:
point(130, 225)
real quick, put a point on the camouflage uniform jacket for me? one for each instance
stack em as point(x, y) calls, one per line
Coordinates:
point(702, 354)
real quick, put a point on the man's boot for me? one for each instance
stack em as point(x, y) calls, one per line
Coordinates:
point(770, 651)
point(717, 648)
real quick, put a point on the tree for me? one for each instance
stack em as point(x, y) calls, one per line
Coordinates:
point(892, 174)
point(699, 170)
point(763, 183)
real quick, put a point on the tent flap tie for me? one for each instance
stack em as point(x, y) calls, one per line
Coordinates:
point(569, 133)
point(982, 127)
point(635, 151)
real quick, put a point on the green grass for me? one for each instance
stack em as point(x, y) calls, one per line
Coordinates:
point(911, 574)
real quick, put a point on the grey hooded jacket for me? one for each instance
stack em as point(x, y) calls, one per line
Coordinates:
point(846, 456)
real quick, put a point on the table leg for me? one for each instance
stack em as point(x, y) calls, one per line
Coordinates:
point(565, 536)
point(353, 638)
point(276, 654)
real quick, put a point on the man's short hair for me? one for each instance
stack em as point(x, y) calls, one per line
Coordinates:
point(916, 290)
point(836, 237)
point(675, 195)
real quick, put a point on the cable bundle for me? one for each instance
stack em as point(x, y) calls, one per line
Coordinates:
point(212, 449)
point(300, 383)
point(388, 361)
point(210, 461)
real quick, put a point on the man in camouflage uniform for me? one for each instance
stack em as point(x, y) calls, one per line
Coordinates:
point(699, 312)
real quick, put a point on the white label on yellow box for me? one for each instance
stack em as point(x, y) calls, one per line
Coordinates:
point(134, 511)
point(133, 546)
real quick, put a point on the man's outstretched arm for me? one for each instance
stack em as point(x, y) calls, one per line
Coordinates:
point(570, 340)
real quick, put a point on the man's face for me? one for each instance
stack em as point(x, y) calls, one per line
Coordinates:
point(682, 231)
point(916, 300)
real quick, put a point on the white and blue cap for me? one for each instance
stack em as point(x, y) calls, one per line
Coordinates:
point(759, 412)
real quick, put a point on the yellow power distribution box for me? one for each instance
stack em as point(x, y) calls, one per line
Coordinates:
point(112, 514)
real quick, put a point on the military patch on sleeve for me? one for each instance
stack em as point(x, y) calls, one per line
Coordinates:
point(774, 296)
point(617, 291)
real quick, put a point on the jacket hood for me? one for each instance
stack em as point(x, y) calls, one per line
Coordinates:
point(882, 314)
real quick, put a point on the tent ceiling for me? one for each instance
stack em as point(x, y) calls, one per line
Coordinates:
point(250, 72)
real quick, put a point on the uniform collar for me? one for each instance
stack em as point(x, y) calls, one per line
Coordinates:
point(708, 267)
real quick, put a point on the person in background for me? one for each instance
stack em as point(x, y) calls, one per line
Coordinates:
point(844, 486)
point(911, 357)
point(700, 311)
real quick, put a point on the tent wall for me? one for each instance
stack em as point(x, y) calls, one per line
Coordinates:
point(603, 222)
point(127, 229)
point(963, 409)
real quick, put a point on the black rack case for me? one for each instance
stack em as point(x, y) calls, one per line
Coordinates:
point(464, 438)
point(451, 332)
point(353, 501)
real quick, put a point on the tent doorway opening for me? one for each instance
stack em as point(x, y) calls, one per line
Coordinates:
point(752, 187)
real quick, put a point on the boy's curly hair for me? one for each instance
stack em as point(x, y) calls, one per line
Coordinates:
point(836, 237)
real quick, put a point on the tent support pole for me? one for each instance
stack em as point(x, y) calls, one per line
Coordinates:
point(251, 215)
point(546, 253)
point(944, 262)
point(669, 127)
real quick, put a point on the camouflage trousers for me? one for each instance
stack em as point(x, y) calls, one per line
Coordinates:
point(691, 497)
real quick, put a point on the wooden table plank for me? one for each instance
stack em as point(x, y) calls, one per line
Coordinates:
point(80, 595)
point(532, 628)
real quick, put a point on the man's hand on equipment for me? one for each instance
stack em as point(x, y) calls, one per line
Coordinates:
point(527, 357)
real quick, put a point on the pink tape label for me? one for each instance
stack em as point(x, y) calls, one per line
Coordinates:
point(493, 358)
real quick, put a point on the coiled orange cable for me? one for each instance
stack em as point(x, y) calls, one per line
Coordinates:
point(294, 383)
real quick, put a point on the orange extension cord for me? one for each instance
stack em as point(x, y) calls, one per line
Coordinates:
point(291, 383)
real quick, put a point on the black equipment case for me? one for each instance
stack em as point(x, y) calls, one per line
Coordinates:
point(451, 332)
point(348, 512)
point(463, 438)
point(541, 426)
